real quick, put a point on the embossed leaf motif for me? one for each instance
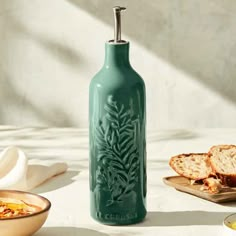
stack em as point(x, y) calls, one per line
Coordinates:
point(118, 161)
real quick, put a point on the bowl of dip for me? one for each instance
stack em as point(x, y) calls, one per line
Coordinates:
point(22, 213)
point(229, 225)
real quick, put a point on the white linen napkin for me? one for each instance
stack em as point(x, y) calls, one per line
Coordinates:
point(16, 172)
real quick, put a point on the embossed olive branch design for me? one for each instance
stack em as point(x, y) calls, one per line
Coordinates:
point(118, 151)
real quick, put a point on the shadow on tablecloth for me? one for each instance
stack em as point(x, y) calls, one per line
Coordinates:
point(57, 182)
point(183, 218)
point(68, 231)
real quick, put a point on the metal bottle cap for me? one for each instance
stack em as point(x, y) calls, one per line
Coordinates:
point(117, 29)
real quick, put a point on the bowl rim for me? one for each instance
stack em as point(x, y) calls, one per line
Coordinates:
point(225, 223)
point(45, 209)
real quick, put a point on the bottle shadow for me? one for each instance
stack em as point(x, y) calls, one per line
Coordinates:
point(183, 218)
point(68, 231)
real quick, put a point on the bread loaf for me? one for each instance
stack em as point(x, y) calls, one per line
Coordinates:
point(195, 166)
point(223, 162)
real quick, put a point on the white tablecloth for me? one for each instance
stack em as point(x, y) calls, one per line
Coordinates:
point(170, 212)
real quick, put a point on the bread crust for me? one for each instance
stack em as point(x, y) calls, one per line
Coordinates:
point(226, 179)
point(221, 146)
point(177, 170)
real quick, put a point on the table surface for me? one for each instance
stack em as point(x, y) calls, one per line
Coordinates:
point(170, 212)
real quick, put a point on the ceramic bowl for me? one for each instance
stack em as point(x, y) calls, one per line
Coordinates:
point(24, 225)
point(228, 230)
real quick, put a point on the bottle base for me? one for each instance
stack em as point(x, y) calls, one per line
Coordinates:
point(117, 223)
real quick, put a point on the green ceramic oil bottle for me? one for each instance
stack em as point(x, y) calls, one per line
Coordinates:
point(117, 119)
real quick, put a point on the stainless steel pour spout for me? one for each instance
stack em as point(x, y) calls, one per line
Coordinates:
point(117, 29)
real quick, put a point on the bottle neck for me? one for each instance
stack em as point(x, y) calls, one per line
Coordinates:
point(117, 55)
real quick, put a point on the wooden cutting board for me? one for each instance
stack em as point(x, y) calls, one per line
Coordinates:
point(183, 184)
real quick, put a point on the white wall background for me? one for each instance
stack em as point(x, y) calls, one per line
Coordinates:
point(184, 49)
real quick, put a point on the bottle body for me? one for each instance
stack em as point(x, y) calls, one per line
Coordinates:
point(117, 119)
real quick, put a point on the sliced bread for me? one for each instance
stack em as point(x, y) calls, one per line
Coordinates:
point(223, 162)
point(195, 166)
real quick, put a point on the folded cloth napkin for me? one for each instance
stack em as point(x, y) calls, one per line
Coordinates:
point(16, 172)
